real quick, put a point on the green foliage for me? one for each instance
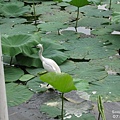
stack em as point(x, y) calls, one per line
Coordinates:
point(12, 73)
point(14, 9)
point(26, 77)
point(50, 110)
point(79, 3)
point(14, 45)
point(30, 56)
point(108, 89)
point(81, 85)
point(35, 85)
point(17, 94)
point(60, 81)
point(91, 59)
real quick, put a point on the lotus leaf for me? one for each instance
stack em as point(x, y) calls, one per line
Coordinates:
point(35, 71)
point(14, 10)
point(12, 73)
point(88, 72)
point(93, 11)
point(108, 88)
point(59, 16)
point(51, 50)
point(62, 82)
point(51, 26)
point(13, 45)
point(35, 85)
point(26, 77)
point(17, 94)
point(18, 29)
point(88, 48)
point(79, 3)
point(92, 22)
point(111, 64)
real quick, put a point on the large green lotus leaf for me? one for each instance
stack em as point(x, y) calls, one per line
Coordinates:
point(66, 36)
point(59, 16)
point(51, 50)
point(102, 31)
point(116, 7)
point(28, 61)
point(12, 73)
point(35, 85)
point(116, 17)
point(112, 64)
point(88, 48)
point(93, 11)
point(22, 29)
point(12, 45)
point(46, 7)
point(51, 26)
point(81, 85)
point(79, 3)
point(113, 26)
point(108, 88)
point(111, 39)
point(13, 21)
point(62, 82)
point(14, 9)
point(92, 22)
point(35, 61)
point(88, 72)
point(17, 94)
point(9, 60)
point(17, 29)
point(71, 8)
point(108, 1)
point(68, 66)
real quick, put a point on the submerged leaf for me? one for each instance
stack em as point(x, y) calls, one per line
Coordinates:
point(50, 110)
point(87, 116)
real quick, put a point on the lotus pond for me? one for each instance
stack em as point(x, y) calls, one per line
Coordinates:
point(82, 36)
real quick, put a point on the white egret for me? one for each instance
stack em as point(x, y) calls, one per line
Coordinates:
point(48, 64)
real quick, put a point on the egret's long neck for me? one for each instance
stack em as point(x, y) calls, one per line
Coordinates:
point(40, 53)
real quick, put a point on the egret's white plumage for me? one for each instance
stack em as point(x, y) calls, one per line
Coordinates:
point(48, 64)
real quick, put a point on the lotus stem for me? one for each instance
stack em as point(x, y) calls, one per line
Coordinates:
point(110, 4)
point(78, 10)
point(34, 13)
point(99, 116)
point(62, 111)
point(11, 61)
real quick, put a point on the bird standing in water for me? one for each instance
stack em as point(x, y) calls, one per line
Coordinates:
point(48, 64)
